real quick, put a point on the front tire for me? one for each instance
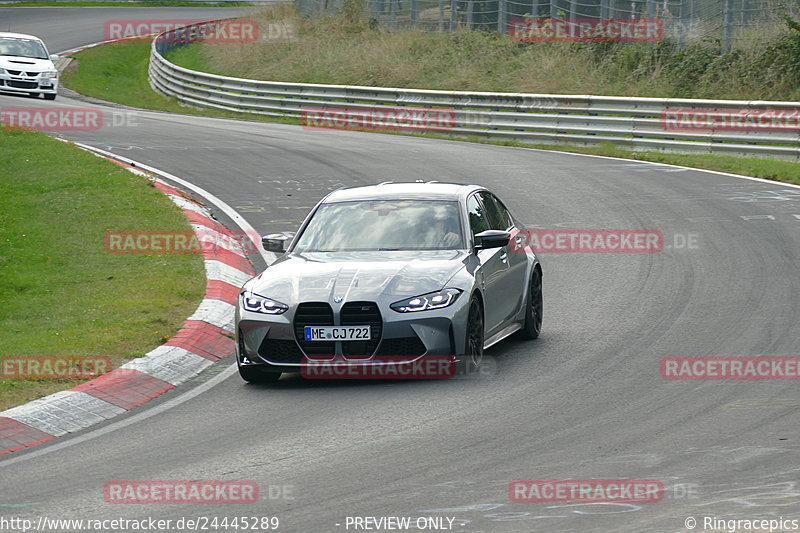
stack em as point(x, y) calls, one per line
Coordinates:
point(472, 359)
point(49, 96)
point(534, 305)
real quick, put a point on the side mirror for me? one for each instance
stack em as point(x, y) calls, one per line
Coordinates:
point(54, 57)
point(491, 238)
point(276, 242)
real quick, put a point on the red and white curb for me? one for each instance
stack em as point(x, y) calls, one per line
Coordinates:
point(205, 337)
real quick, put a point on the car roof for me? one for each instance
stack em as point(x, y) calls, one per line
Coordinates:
point(19, 36)
point(431, 190)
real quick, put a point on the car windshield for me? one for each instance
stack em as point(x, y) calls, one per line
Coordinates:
point(22, 48)
point(382, 225)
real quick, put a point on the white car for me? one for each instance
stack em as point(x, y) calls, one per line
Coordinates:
point(26, 67)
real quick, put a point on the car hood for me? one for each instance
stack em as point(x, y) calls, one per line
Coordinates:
point(357, 276)
point(27, 64)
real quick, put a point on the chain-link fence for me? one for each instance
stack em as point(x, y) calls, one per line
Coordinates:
point(732, 23)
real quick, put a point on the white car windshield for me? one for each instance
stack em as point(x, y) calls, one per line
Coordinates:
point(383, 225)
point(10, 46)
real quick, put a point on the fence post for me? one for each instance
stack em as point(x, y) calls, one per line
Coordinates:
point(651, 9)
point(727, 26)
point(453, 14)
point(414, 13)
point(441, 15)
point(501, 17)
point(682, 26)
point(604, 9)
point(553, 9)
point(470, 8)
point(393, 14)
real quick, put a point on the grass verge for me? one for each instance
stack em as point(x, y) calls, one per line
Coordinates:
point(118, 73)
point(350, 48)
point(61, 293)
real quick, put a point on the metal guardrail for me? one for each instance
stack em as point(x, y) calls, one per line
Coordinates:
point(633, 123)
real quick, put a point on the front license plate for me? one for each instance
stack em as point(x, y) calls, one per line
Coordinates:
point(337, 333)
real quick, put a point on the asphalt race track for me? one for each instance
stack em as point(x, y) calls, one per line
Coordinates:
point(584, 401)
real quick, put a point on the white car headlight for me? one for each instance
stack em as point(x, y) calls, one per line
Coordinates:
point(259, 304)
point(432, 300)
point(49, 74)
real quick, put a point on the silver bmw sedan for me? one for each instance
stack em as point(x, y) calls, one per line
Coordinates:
point(390, 274)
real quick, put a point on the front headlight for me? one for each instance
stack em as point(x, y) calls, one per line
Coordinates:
point(49, 74)
point(432, 300)
point(258, 304)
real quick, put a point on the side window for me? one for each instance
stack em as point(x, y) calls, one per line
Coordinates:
point(477, 216)
point(498, 218)
point(505, 211)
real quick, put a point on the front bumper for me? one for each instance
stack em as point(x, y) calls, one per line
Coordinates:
point(275, 341)
point(28, 84)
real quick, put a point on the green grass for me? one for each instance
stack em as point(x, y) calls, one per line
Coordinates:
point(349, 49)
point(61, 293)
point(103, 72)
point(117, 72)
